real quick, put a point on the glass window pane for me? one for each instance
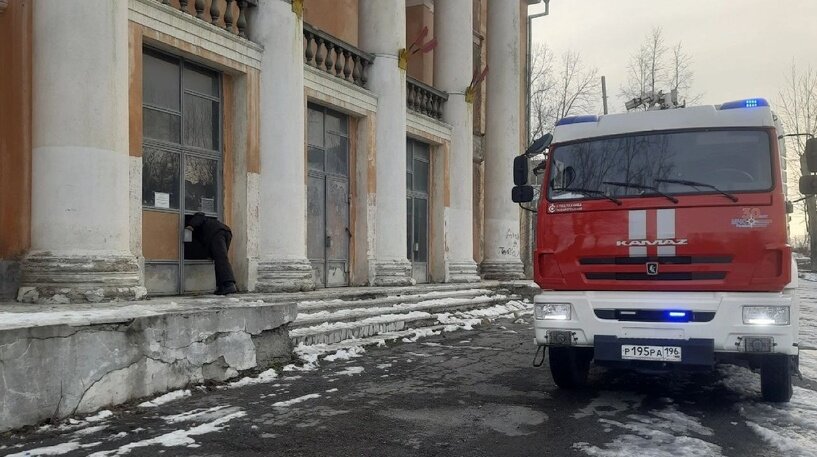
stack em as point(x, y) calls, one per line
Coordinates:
point(336, 122)
point(200, 184)
point(200, 122)
point(316, 219)
point(409, 156)
point(160, 125)
point(420, 230)
point(421, 151)
point(337, 155)
point(160, 82)
point(160, 178)
point(314, 128)
point(409, 181)
point(409, 227)
point(200, 80)
point(315, 157)
point(421, 176)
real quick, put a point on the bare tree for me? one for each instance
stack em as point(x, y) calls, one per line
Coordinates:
point(798, 112)
point(656, 67)
point(560, 88)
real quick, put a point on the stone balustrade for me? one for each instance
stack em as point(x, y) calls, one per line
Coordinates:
point(336, 57)
point(230, 15)
point(425, 99)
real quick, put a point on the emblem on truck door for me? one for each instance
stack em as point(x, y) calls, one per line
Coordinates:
point(652, 268)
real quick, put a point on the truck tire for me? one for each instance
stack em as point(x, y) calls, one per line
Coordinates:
point(775, 378)
point(569, 366)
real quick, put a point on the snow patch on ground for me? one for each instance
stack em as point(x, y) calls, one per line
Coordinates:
point(175, 438)
point(59, 449)
point(350, 371)
point(660, 433)
point(789, 427)
point(420, 333)
point(201, 415)
point(609, 404)
point(100, 416)
point(288, 403)
point(166, 398)
point(346, 354)
point(263, 377)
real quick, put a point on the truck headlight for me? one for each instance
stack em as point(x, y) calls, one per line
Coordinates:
point(766, 315)
point(552, 311)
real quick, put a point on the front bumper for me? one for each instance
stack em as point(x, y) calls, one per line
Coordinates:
point(726, 330)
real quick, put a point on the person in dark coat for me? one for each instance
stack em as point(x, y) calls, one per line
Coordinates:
point(215, 237)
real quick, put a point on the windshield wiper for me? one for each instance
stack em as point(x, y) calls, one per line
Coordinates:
point(588, 192)
point(641, 186)
point(684, 182)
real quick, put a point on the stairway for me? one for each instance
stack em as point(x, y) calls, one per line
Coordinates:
point(361, 316)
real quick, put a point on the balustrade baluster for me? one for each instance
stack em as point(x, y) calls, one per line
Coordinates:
point(309, 39)
point(347, 64)
point(318, 54)
point(242, 18)
point(338, 64)
point(199, 5)
point(183, 6)
point(214, 12)
point(228, 16)
point(364, 72)
point(330, 63)
point(165, 2)
point(355, 69)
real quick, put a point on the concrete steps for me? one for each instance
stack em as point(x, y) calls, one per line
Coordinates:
point(333, 321)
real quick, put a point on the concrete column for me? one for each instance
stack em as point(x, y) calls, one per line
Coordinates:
point(282, 263)
point(383, 33)
point(80, 237)
point(453, 67)
point(503, 127)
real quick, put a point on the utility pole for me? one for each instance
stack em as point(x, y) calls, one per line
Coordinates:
point(604, 92)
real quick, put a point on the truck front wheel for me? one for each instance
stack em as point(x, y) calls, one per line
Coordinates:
point(570, 366)
point(775, 378)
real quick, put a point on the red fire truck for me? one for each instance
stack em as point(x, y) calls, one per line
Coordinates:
point(662, 243)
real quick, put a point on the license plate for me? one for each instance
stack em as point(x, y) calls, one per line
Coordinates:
point(659, 353)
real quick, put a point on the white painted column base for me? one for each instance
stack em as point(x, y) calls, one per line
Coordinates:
point(284, 275)
point(79, 277)
point(392, 273)
point(462, 271)
point(502, 270)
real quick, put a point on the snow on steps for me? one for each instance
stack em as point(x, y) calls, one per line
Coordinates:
point(337, 320)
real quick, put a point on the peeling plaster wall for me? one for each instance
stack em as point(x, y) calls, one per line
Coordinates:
point(56, 371)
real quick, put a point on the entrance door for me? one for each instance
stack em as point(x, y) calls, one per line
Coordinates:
point(328, 231)
point(417, 185)
point(181, 170)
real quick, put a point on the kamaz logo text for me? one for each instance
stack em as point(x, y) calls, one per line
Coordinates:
point(629, 243)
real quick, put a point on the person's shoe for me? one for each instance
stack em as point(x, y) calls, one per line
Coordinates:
point(229, 289)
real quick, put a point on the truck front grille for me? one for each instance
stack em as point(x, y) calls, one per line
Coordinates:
point(671, 276)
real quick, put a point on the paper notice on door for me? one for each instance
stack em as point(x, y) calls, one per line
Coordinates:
point(208, 205)
point(161, 200)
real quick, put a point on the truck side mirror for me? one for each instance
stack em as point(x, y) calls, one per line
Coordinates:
point(522, 194)
point(520, 170)
point(808, 185)
point(811, 155)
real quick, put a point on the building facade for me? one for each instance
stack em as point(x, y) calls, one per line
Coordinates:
point(339, 147)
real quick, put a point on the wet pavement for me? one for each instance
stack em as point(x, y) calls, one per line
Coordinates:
point(466, 392)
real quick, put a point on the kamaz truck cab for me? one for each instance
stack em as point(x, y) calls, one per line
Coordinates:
point(662, 244)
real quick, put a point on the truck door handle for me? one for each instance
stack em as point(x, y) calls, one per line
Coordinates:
point(328, 242)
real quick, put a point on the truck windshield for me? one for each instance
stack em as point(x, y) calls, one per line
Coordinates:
point(689, 162)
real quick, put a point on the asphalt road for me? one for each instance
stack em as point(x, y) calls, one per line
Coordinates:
point(464, 393)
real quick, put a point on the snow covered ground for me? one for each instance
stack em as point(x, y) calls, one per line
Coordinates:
point(620, 415)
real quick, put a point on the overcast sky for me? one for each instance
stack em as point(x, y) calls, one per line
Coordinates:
point(740, 48)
